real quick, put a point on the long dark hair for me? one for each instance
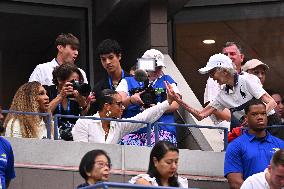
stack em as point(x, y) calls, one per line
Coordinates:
point(159, 151)
point(87, 162)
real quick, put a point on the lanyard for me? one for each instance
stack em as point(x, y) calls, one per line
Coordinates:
point(57, 62)
point(60, 107)
point(110, 81)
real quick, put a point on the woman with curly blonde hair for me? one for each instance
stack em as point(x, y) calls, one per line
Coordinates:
point(30, 97)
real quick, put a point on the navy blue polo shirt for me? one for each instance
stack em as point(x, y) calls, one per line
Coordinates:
point(249, 155)
point(7, 171)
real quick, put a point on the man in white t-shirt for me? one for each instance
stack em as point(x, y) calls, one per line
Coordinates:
point(67, 52)
point(271, 178)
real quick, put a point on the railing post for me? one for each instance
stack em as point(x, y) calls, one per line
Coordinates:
point(48, 126)
point(55, 127)
point(156, 130)
point(149, 125)
point(225, 138)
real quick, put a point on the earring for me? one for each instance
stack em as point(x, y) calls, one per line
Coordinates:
point(108, 113)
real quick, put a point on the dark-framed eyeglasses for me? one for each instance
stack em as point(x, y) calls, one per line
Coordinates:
point(102, 164)
point(119, 103)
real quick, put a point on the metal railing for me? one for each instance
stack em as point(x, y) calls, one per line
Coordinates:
point(149, 125)
point(156, 130)
point(56, 116)
point(49, 117)
point(106, 185)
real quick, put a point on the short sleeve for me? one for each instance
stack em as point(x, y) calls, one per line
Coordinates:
point(10, 171)
point(147, 177)
point(233, 159)
point(36, 75)
point(247, 184)
point(254, 86)
point(183, 182)
point(122, 86)
point(216, 104)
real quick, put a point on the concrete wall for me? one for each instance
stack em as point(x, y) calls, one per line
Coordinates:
point(54, 164)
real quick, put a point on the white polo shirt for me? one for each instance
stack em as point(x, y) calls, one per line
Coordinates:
point(248, 86)
point(256, 181)
point(43, 73)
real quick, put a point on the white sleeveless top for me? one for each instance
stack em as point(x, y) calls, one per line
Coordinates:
point(14, 130)
point(183, 183)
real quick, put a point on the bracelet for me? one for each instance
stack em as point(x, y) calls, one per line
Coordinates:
point(84, 108)
point(130, 100)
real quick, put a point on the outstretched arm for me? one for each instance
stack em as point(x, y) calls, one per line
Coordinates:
point(269, 101)
point(199, 115)
point(151, 115)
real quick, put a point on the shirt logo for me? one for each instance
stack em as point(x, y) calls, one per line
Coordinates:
point(4, 155)
point(274, 150)
point(242, 93)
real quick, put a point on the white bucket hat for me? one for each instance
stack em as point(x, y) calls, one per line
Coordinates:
point(155, 54)
point(217, 60)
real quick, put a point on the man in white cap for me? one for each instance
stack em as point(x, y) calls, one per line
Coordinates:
point(237, 90)
point(130, 90)
point(256, 67)
point(234, 51)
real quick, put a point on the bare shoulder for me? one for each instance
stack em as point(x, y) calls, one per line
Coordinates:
point(142, 181)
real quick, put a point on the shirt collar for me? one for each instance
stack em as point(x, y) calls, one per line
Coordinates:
point(54, 62)
point(229, 89)
point(252, 137)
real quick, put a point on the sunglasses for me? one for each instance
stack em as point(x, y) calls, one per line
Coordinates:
point(119, 104)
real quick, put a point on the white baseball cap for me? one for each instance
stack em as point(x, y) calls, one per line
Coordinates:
point(253, 63)
point(217, 61)
point(157, 55)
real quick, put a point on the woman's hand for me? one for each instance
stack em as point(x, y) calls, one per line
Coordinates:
point(91, 98)
point(171, 95)
point(66, 90)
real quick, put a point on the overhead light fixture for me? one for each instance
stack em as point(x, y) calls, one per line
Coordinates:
point(208, 41)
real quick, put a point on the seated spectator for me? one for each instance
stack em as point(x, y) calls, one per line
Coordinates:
point(30, 97)
point(272, 177)
point(7, 170)
point(256, 67)
point(278, 99)
point(251, 152)
point(94, 167)
point(110, 132)
point(277, 131)
point(134, 103)
point(162, 170)
point(237, 91)
point(65, 99)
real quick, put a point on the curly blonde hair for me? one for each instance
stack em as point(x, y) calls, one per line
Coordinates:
point(25, 100)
